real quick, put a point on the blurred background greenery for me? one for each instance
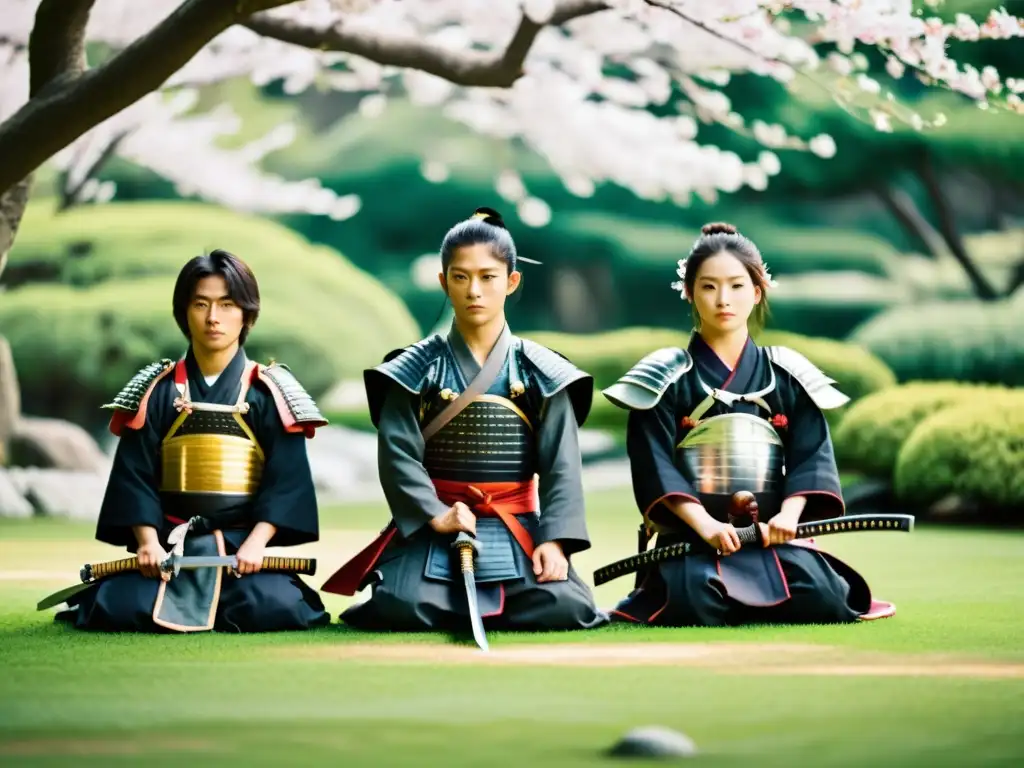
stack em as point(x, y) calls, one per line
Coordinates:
point(899, 260)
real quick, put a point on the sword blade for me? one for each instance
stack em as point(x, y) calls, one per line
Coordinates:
point(474, 611)
point(62, 596)
point(201, 561)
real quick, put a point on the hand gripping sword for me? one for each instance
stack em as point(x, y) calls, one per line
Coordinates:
point(468, 547)
point(752, 536)
point(93, 572)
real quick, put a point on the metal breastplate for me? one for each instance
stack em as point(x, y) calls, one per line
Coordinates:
point(210, 460)
point(491, 440)
point(733, 452)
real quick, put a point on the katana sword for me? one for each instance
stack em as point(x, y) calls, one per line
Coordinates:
point(93, 572)
point(468, 547)
point(751, 535)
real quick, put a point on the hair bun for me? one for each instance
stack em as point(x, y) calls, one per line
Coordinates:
point(718, 228)
point(490, 216)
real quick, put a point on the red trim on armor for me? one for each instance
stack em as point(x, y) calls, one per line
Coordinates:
point(782, 575)
point(880, 609)
point(616, 612)
point(346, 580)
point(656, 502)
point(501, 604)
point(502, 500)
point(287, 419)
point(122, 420)
point(837, 497)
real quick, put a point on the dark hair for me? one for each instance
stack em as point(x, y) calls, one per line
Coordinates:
point(715, 238)
point(242, 287)
point(485, 227)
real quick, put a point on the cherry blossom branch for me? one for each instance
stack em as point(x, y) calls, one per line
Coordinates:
point(468, 68)
point(74, 100)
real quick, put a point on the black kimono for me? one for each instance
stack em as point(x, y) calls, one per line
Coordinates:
point(489, 457)
point(209, 476)
point(669, 394)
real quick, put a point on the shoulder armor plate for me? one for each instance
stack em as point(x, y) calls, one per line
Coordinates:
point(301, 405)
point(816, 383)
point(409, 366)
point(552, 372)
point(643, 386)
point(130, 398)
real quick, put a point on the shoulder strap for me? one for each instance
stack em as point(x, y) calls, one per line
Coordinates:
point(480, 384)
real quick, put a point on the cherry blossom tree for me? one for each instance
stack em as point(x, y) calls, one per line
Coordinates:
point(607, 91)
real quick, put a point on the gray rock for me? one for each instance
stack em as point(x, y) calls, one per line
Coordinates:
point(654, 741)
point(12, 501)
point(61, 493)
point(344, 465)
point(54, 444)
point(10, 395)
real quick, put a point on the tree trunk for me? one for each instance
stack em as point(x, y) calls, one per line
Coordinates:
point(905, 210)
point(12, 207)
point(947, 226)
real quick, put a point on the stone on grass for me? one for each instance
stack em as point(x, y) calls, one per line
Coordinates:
point(654, 741)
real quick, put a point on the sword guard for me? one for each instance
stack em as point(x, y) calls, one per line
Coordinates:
point(170, 565)
point(465, 541)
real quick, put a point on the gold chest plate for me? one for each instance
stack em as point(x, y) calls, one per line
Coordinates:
point(211, 452)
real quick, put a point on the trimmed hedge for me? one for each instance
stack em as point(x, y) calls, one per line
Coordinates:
point(962, 341)
point(973, 452)
point(101, 308)
point(876, 428)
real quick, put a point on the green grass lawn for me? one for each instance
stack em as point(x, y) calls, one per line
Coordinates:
point(298, 699)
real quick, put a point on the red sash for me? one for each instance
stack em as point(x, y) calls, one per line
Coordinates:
point(502, 500)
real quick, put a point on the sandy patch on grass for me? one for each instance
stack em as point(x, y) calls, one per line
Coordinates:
point(38, 576)
point(801, 659)
point(131, 745)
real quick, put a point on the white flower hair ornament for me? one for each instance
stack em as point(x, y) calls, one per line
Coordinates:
point(680, 284)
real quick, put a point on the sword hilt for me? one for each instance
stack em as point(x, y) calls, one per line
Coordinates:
point(92, 571)
point(468, 547)
point(303, 565)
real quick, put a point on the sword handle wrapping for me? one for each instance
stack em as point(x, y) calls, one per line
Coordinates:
point(751, 535)
point(303, 565)
point(466, 558)
point(92, 571)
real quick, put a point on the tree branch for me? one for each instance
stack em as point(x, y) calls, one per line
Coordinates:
point(56, 45)
point(905, 211)
point(69, 192)
point(56, 48)
point(489, 69)
point(69, 106)
point(947, 226)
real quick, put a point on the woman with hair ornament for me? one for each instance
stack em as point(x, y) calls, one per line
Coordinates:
point(725, 417)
